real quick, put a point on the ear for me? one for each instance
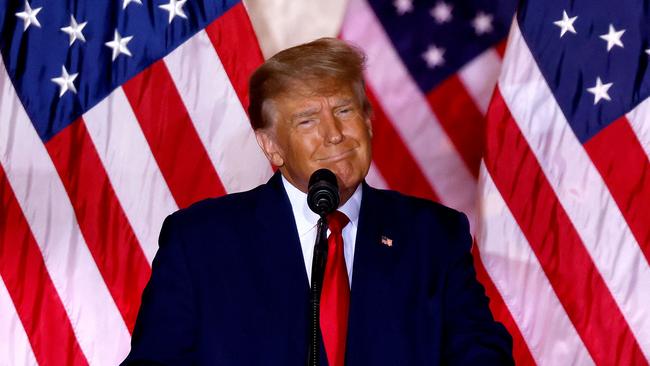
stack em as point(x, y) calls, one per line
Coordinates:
point(369, 126)
point(269, 146)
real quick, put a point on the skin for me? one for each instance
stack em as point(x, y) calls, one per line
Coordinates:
point(310, 130)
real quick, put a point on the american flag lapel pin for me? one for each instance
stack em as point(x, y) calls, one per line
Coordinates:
point(386, 241)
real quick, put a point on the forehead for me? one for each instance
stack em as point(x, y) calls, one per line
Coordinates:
point(308, 96)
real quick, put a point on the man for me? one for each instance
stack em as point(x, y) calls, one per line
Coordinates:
point(230, 282)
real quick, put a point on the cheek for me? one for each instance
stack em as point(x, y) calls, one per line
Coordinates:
point(302, 148)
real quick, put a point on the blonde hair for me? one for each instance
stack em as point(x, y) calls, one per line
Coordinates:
point(323, 65)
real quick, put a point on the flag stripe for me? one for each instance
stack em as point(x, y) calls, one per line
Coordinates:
point(131, 168)
point(626, 171)
point(480, 75)
point(409, 111)
point(578, 185)
point(218, 116)
point(501, 47)
point(517, 273)
point(100, 330)
point(638, 118)
point(461, 120)
point(14, 344)
point(103, 224)
point(166, 123)
point(520, 351)
point(233, 37)
point(392, 158)
point(555, 242)
point(37, 303)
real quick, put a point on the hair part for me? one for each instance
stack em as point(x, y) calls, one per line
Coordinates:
point(322, 66)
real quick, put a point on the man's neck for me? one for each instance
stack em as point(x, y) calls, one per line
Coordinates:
point(344, 193)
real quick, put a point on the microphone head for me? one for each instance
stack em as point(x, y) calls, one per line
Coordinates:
point(323, 192)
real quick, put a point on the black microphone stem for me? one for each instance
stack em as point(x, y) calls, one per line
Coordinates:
point(322, 198)
point(317, 273)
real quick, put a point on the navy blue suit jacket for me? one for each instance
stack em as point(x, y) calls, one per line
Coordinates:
point(229, 287)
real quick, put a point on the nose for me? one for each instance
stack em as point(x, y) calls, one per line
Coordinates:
point(331, 129)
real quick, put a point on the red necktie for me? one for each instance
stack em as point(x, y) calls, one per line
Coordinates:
point(335, 294)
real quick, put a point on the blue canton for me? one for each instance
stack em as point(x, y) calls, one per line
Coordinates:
point(415, 27)
point(59, 78)
point(593, 54)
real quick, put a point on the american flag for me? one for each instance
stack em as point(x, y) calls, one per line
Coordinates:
point(114, 114)
point(565, 186)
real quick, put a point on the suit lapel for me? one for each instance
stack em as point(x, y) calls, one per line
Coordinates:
point(279, 254)
point(278, 231)
point(374, 258)
point(374, 269)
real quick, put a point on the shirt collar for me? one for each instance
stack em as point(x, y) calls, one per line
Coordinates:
point(306, 219)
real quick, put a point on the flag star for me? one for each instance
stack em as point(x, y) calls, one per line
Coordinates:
point(647, 51)
point(566, 24)
point(613, 37)
point(434, 56)
point(403, 6)
point(65, 82)
point(74, 30)
point(127, 2)
point(28, 15)
point(118, 44)
point(482, 23)
point(441, 12)
point(600, 91)
point(174, 7)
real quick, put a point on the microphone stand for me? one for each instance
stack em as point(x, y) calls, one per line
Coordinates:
point(317, 273)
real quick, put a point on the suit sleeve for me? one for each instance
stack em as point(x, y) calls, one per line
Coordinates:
point(165, 329)
point(471, 335)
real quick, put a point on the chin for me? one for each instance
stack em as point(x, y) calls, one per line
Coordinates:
point(347, 178)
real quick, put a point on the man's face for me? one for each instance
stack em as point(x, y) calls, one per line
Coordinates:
point(312, 131)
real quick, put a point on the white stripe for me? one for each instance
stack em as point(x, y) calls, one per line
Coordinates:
point(409, 111)
point(131, 168)
point(217, 114)
point(100, 329)
point(520, 279)
point(480, 76)
point(579, 187)
point(639, 119)
point(375, 179)
point(15, 348)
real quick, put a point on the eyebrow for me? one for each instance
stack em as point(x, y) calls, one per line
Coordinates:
point(305, 113)
point(342, 102)
point(314, 110)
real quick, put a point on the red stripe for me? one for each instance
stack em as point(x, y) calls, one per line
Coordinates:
point(623, 164)
point(38, 305)
point(102, 221)
point(393, 159)
point(554, 240)
point(501, 47)
point(171, 135)
point(520, 350)
point(233, 37)
point(461, 120)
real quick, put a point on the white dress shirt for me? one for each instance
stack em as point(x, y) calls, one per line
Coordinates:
point(306, 221)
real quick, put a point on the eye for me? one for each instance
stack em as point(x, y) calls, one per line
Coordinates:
point(345, 111)
point(306, 122)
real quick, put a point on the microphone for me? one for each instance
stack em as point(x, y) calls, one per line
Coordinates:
point(323, 192)
point(322, 198)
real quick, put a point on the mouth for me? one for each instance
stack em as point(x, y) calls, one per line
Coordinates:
point(337, 157)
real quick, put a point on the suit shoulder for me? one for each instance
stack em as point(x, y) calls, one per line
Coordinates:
point(225, 208)
point(411, 205)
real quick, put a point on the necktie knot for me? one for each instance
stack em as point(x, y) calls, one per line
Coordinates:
point(337, 221)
